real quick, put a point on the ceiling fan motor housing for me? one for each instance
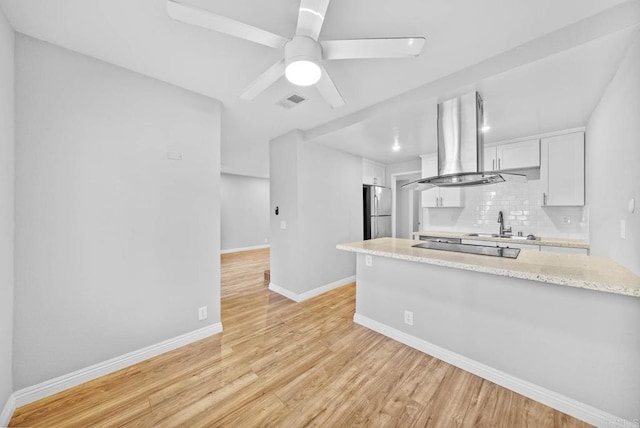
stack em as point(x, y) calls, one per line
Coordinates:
point(302, 48)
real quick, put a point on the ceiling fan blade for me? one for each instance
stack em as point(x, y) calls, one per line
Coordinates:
point(311, 17)
point(372, 48)
point(222, 24)
point(265, 80)
point(328, 90)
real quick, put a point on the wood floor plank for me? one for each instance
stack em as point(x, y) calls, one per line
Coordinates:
point(285, 364)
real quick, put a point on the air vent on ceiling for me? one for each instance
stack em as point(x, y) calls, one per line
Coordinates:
point(291, 101)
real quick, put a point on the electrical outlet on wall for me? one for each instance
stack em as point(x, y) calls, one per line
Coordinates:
point(408, 317)
point(368, 260)
point(202, 313)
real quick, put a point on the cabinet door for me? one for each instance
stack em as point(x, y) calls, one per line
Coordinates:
point(379, 173)
point(490, 159)
point(373, 173)
point(562, 170)
point(430, 197)
point(524, 154)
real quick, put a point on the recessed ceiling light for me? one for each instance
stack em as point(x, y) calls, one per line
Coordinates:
point(396, 142)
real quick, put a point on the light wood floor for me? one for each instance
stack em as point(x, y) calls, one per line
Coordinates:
point(284, 364)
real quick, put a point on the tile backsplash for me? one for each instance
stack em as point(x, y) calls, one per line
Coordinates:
point(520, 205)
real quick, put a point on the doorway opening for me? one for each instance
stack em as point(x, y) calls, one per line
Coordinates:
point(406, 212)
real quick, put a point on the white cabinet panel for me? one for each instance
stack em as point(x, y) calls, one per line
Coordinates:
point(524, 154)
point(520, 155)
point(439, 197)
point(451, 197)
point(373, 173)
point(562, 170)
point(431, 198)
point(490, 159)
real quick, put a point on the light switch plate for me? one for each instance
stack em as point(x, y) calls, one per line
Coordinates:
point(283, 224)
point(623, 229)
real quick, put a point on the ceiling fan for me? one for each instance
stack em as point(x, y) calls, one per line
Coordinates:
point(303, 55)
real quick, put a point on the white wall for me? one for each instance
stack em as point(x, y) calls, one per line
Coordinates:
point(319, 193)
point(580, 343)
point(116, 246)
point(520, 204)
point(402, 210)
point(395, 168)
point(6, 207)
point(283, 180)
point(612, 159)
point(330, 213)
point(244, 211)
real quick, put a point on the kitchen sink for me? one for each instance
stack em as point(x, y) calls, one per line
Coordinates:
point(483, 250)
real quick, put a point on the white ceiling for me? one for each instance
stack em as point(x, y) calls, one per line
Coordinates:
point(554, 93)
point(137, 35)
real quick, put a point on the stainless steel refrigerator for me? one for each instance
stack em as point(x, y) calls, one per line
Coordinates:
point(377, 211)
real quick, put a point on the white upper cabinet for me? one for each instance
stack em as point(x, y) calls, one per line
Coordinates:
point(438, 197)
point(490, 158)
point(520, 155)
point(562, 170)
point(373, 173)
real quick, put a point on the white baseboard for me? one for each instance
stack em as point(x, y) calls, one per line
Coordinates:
point(284, 292)
point(311, 293)
point(7, 411)
point(58, 384)
point(552, 399)
point(237, 250)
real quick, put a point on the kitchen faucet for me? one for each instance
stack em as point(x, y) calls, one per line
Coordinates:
point(503, 230)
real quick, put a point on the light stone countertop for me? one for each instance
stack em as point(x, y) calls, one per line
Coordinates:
point(551, 242)
point(573, 270)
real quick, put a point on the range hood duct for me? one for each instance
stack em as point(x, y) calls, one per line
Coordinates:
point(461, 147)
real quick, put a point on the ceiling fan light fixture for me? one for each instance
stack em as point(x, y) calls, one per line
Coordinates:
point(303, 72)
point(302, 57)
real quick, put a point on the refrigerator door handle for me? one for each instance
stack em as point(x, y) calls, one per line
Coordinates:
point(375, 204)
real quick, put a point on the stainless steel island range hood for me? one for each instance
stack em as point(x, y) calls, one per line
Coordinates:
point(461, 147)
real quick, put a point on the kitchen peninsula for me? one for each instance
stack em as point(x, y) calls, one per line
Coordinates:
point(562, 329)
